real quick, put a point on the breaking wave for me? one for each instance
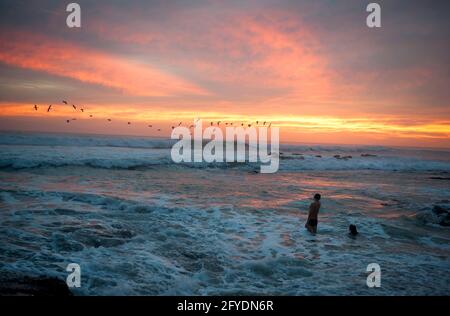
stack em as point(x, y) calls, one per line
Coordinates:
point(23, 151)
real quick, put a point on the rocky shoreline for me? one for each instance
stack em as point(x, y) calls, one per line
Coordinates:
point(19, 285)
point(438, 214)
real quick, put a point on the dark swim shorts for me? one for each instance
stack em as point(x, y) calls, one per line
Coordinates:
point(312, 222)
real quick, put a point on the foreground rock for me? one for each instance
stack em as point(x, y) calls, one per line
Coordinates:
point(439, 214)
point(14, 285)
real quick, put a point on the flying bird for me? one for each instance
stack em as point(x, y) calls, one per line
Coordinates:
point(90, 115)
point(73, 105)
point(149, 126)
point(68, 121)
point(129, 123)
point(180, 123)
point(82, 110)
point(35, 107)
point(49, 108)
point(109, 120)
point(65, 102)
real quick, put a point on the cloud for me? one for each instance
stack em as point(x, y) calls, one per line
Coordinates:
point(40, 53)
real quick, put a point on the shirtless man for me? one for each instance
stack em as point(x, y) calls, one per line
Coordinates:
point(311, 223)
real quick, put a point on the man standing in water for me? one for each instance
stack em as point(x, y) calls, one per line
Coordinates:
point(311, 223)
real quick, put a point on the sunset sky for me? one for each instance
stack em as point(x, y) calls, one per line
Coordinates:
point(312, 68)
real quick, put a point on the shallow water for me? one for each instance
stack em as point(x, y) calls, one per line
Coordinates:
point(139, 226)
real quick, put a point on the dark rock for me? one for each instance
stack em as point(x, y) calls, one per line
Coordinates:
point(439, 214)
point(437, 209)
point(16, 285)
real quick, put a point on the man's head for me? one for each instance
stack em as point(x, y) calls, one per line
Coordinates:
point(317, 197)
point(352, 229)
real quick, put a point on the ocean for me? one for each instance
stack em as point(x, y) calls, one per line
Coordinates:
point(139, 224)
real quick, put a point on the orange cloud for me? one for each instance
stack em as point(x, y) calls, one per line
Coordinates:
point(258, 52)
point(39, 53)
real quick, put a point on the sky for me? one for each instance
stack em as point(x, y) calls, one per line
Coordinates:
point(312, 68)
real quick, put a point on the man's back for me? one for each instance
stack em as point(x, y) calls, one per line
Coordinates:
point(311, 223)
point(314, 209)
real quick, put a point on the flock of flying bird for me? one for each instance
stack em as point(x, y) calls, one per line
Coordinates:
point(159, 129)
